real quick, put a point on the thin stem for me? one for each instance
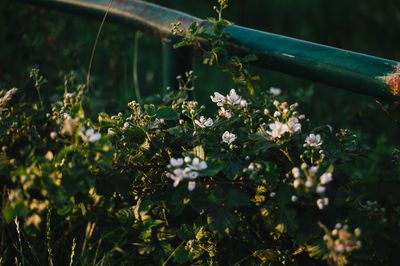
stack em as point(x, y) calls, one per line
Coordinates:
point(173, 252)
point(40, 97)
point(286, 154)
point(19, 240)
point(95, 44)
point(48, 237)
point(135, 63)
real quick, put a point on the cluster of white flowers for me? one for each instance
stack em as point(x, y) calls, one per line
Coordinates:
point(186, 168)
point(311, 182)
point(228, 137)
point(285, 120)
point(228, 102)
point(340, 240)
point(313, 141)
point(189, 107)
point(202, 122)
point(89, 135)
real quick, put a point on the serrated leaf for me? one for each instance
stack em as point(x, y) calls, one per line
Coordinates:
point(167, 113)
point(222, 220)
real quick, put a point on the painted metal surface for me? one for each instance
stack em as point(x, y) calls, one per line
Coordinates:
point(377, 77)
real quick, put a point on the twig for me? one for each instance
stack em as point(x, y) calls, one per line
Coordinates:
point(387, 112)
point(95, 44)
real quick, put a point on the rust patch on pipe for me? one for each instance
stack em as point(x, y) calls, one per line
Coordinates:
point(393, 80)
point(288, 55)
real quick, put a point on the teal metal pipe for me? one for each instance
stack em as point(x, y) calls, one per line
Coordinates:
point(373, 76)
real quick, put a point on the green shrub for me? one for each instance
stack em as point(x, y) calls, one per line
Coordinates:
point(255, 183)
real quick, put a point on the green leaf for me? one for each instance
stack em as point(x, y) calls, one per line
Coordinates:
point(181, 255)
point(222, 220)
point(175, 131)
point(236, 198)
point(77, 111)
point(199, 152)
point(193, 26)
point(232, 169)
point(150, 109)
point(135, 134)
point(213, 168)
point(185, 232)
point(167, 113)
point(105, 120)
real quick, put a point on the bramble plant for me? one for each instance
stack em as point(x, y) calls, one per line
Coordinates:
point(253, 184)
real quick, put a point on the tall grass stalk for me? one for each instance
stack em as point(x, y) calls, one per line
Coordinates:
point(48, 237)
point(72, 252)
point(19, 239)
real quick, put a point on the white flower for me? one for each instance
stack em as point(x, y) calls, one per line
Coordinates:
point(296, 183)
point(228, 137)
point(294, 198)
point(191, 185)
point(326, 178)
point(303, 166)
point(243, 103)
point(272, 194)
point(233, 98)
point(179, 173)
point(301, 117)
point(314, 169)
point(266, 111)
point(193, 175)
point(338, 225)
point(251, 166)
point(296, 172)
point(294, 125)
point(226, 113)
point(274, 91)
point(176, 162)
point(187, 159)
point(321, 203)
point(313, 140)
point(176, 179)
point(110, 131)
point(277, 113)
point(320, 189)
point(202, 122)
point(339, 248)
point(126, 124)
point(89, 135)
point(198, 165)
point(278, 129)
point(218, 98)
point(53, 135)
point(309, 183)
